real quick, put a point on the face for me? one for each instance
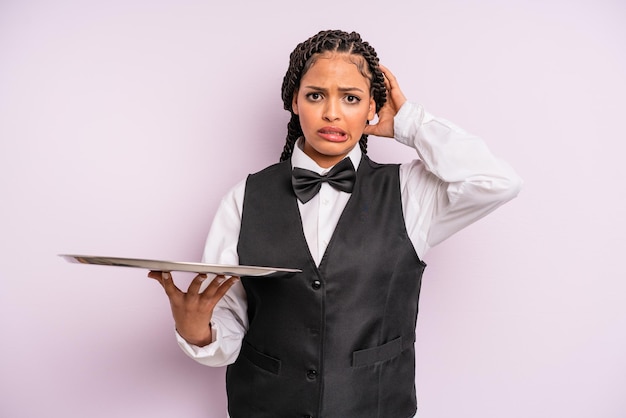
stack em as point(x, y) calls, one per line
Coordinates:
point(334, 104)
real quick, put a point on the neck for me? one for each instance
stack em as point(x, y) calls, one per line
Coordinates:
point(323, 160)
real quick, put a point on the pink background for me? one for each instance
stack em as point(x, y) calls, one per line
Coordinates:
point(123, 122)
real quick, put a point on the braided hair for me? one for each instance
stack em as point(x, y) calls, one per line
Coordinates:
point(306, 54)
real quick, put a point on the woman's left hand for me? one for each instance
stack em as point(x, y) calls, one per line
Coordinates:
point(395, 100)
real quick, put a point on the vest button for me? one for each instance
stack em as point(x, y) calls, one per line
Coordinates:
point(316, 284)
point(311, 374)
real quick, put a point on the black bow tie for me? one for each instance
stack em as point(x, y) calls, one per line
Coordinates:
point(307, 183)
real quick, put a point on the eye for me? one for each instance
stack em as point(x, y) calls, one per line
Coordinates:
point(352, 99)
point(314, 97)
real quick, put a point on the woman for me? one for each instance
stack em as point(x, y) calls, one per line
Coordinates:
point(336, 340)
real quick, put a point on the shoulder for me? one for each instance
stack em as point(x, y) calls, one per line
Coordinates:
point(270, 174)
point(413, 172)
point(232, 201)
point(274, 168)
point(379, 167)
point(231, 204)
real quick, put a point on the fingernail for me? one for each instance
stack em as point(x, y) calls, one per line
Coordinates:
point(203, 277)
point(166, 275)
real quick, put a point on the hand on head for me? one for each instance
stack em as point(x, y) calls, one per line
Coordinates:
point(193, 310)
point(395, 100)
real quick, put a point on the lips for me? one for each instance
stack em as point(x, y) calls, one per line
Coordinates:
point(333, 134)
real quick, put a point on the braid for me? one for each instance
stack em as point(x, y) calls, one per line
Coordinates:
point(363, 143)
point(305, 55)
point(293, 133)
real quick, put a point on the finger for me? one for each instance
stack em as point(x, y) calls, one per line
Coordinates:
point(194, 286)
point(213, 287)
point(215, 283)
point(387, 84)
point(168, 284)
point(393, 89)
point(389, 76)
point(224, 287)
point(165, 278)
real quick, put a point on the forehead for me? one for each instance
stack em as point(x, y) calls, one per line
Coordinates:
point(332, 66)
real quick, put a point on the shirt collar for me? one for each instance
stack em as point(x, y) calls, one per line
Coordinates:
point(301, 160)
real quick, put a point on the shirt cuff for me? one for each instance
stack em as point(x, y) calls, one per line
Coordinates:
point(197, 352)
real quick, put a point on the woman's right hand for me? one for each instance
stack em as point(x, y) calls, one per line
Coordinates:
point(193, 310)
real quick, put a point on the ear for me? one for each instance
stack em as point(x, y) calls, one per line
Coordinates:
point(294, 102)
point(372, 109)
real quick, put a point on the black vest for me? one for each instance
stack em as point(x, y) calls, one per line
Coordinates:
point(338, 340)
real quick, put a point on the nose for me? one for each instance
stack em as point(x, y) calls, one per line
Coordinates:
point(331, 111)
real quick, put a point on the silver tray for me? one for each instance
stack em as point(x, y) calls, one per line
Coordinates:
point(161, 265)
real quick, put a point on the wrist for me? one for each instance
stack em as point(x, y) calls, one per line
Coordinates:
point(199, 339)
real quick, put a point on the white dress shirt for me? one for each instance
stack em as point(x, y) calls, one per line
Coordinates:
point(454, 182)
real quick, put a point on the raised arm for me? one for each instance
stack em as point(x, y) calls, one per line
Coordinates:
point(455, 181)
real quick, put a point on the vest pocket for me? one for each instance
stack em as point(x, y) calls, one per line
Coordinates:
point(259, 359)
point(378, 354)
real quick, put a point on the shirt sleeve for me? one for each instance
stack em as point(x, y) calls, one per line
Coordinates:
point(229, 322)
point(455, 181)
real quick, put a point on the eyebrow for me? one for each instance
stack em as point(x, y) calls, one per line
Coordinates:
point(342, 89)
